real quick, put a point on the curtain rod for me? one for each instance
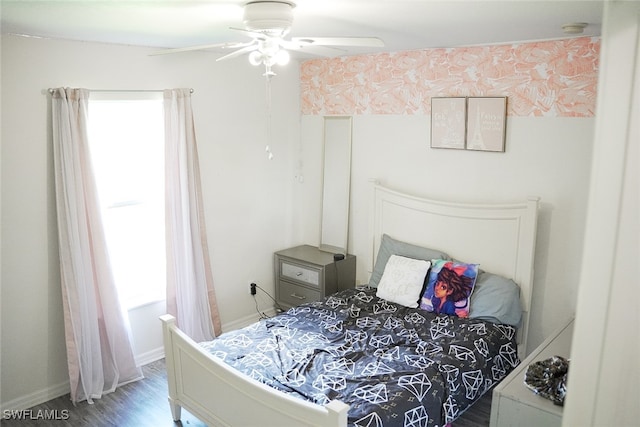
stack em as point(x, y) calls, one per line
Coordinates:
point(51, 90)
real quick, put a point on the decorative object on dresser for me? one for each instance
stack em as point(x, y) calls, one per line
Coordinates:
point(305, 274)
point(516, 405)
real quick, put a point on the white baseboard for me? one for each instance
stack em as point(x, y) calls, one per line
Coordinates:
point(41, 396)
point(150, 356)
point(36, 398)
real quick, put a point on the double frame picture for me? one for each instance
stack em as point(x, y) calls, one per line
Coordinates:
point(471, 123)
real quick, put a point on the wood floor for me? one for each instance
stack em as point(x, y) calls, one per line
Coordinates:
point(144, 403)
point(139, 404)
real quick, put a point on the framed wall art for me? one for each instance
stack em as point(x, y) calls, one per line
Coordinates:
point(448, 122)
point(486, 123)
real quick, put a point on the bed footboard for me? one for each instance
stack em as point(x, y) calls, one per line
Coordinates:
point(222, 396)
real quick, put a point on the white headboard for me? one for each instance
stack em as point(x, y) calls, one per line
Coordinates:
point(501, 238)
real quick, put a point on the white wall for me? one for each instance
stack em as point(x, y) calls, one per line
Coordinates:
point(254, 206)
point(248, 199)
point(545, 157)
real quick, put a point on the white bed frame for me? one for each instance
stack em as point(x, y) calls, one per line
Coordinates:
point(501, 238)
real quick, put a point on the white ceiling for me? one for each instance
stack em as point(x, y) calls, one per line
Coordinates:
point(401, 24)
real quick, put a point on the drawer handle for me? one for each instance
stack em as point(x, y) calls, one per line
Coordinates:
point(299, 273)
point(300, 297)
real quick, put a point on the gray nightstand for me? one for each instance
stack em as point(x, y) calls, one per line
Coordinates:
point(305, 273)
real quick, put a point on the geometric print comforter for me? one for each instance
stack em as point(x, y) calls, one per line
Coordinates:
point(394, 366)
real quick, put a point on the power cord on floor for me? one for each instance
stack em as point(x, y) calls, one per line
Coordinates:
point(261, 313)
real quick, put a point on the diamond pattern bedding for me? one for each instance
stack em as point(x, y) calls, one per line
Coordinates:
point(395, 366)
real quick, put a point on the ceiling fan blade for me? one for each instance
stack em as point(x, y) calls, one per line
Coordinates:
point(313, 49)
point(201, 47)
point(239, 52)
point(339, 41)
point(255, 34)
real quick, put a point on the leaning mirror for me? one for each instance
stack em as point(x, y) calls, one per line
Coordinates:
point(336, 179)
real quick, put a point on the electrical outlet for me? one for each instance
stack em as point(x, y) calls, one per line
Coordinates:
point(253, 288)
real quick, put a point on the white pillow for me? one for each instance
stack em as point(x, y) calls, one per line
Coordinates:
point(402, 280)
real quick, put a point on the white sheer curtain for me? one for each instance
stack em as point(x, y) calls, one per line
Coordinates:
point(99, 351)
point(190, 294)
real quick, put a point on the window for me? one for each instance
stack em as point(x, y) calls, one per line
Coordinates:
point(126, 138)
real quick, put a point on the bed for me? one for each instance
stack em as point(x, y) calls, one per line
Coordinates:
point(368, 355)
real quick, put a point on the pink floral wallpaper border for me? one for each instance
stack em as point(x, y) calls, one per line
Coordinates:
point(549, 78)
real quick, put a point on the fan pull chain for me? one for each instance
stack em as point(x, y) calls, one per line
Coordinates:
point(269, 133)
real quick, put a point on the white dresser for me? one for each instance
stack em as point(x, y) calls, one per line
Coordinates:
point(514, 405)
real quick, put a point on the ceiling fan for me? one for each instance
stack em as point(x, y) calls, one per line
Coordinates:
point(268, 22)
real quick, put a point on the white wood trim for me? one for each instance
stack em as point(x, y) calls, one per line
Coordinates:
point(602, 388)
point(149, 356)
point(36, 398)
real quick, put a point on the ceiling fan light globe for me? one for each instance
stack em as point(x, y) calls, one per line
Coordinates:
point(282, 57)
point(255, 58)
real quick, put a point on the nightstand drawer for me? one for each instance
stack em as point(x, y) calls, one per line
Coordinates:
point(293, 294)
point(305, 273)
point(301, 274)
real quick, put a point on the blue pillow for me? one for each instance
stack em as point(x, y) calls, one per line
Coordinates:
point(496, 299)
